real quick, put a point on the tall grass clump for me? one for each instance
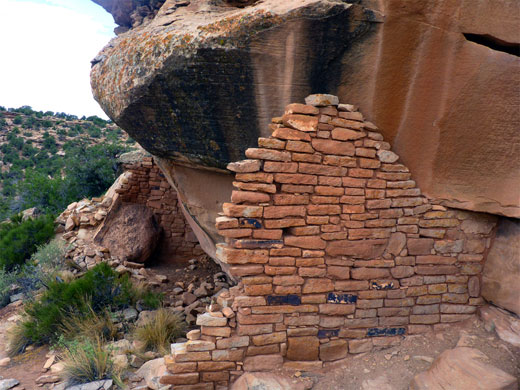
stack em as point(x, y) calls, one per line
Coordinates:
point(92, 326)
point(161, 331)
point(87, 360)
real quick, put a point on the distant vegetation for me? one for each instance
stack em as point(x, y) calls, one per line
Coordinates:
point(47, 161)
point(20, 239)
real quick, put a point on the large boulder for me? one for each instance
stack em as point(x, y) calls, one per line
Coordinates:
point(463, 368)
point(152, 371)
point(501, 275)
point(130, 232)
point(198, 84)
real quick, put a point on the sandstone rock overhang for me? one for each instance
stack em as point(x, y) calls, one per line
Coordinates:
point(199, 83)
point(187, 87)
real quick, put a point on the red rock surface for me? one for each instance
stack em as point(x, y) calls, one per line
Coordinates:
point(502, 268)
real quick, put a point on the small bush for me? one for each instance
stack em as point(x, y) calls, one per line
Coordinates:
point(6, 280)
point(88, 361)
point(158, 334)
point(19, 240)
point(50, 256)
point(151, 300)
point(48, 260)
point(148, 299)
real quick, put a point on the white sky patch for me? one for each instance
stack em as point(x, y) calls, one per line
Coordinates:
point(45, 52)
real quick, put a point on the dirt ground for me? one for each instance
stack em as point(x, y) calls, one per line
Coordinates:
point(178, 271)
point(27, 367)
point(401, 363)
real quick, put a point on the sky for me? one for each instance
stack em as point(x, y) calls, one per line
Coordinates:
point(45, 51)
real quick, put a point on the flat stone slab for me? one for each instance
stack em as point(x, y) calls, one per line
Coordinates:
point(97, 385)
point(265, 381)
point(463, 369)
point(506, 325)
point(6, 384)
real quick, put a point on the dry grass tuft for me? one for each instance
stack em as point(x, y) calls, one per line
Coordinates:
point(157, 334)
point(93, 326)
point(16, 340)
point(87, 361)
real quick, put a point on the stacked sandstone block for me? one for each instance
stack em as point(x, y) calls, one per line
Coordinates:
point(336, 249)
point(147, 185)
point(211, 357)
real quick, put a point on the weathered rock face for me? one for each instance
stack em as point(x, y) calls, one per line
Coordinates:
point(198, 84)
point(502, 269)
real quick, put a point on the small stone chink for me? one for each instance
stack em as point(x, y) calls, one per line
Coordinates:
point(373, 332)
point(290, 299)
point(341, 298)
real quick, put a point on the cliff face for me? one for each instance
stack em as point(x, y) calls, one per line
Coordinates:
point(198, 84)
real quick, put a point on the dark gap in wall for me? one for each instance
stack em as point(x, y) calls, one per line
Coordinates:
point(494, 43)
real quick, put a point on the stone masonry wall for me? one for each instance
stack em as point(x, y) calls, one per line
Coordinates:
point(147, 185)
point(336, 249)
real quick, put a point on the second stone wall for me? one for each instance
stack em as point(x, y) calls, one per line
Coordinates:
point(147, 185)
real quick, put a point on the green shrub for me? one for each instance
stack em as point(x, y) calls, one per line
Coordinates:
point(18, 120)
point(16, 142)
point(19, 240)
point(94, 132)
point(6, 280)
point(99, 289)
point(92, 170)
point(29, 122)
point(151, 300)
point(48, 194)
